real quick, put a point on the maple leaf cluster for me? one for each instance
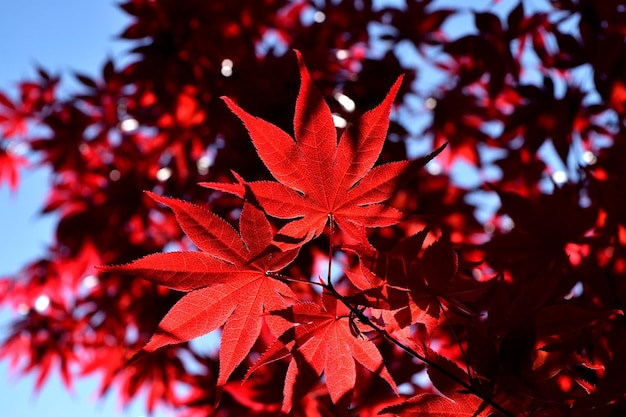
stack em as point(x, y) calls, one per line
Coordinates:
point(400, 243)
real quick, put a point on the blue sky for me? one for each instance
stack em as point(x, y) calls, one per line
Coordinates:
point(62, 36)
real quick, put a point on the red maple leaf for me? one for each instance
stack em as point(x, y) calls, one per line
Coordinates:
point(226, 281)
point(432, 405)
point(9, 168)
point(320, 178)
point(323, 341)
point(415, 288)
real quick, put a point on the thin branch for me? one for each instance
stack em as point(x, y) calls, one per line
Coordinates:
point(331, 220)
point(456, 339)
point(366, 320)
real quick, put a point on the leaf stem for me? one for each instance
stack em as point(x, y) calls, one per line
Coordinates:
point(456, 339)
point(331, 220)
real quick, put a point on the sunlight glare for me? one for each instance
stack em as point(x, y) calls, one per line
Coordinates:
point(589, 158)
point(319, 16)
point(42, 303)
point(576, 291)
point(342, 54)
point(227, 67)
point(346, 102)
point(559, 177)
point(339, 121)
point(430, 103)
point(203, 164)
point(129, 125)
point(90, 281)
point(164, 174)
point(115, 175)
point(506, 223)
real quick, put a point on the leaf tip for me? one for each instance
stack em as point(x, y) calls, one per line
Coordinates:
point(153, 196)
point(110, 268)
point(396, 85)
point(298, 55)
point(230, 103)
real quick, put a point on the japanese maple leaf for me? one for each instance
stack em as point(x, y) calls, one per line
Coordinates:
point(414, 288)
point(320, 178)
point(9, 168)
point(323, 342)
point(226, 281)
point(432, 405)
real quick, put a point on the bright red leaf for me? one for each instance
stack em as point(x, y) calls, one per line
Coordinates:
point(323, 339)
point(320, 178)
point(9, 168)
point(226, 281)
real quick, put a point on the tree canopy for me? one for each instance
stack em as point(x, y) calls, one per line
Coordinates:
point(316, 181)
